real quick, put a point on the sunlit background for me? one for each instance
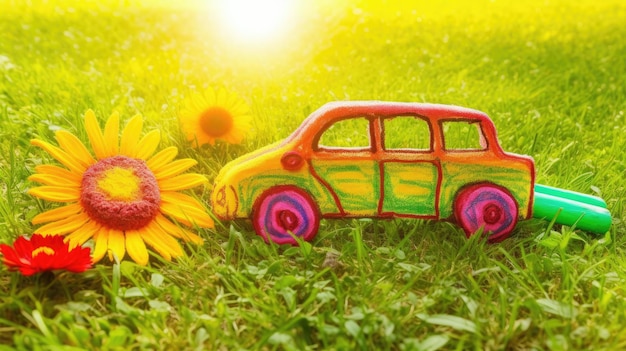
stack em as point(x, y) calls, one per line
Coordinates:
point(262, 39)
point(550, 73)
point(255, 21)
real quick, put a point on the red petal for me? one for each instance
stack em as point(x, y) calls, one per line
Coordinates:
point(28, 270)
point(42, 262)
point(13, 257)
point(9, 256)
point(23, 248)
point(52, 241)
point(19, 257)
point(79, 260)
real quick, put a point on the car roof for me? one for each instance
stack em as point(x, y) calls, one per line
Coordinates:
point(335, 109)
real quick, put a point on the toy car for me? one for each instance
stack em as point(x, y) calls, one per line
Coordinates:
point(392, 159)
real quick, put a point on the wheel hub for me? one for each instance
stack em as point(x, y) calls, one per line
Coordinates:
point(287, 219)
point(492, 214)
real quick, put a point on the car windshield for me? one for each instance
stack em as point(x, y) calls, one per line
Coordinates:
point(303, 126)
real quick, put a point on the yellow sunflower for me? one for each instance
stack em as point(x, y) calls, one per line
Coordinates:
point(123, 198)
point(215, 115)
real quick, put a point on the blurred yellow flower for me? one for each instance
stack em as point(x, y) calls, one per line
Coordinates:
point(123, 197)
point(215, 115)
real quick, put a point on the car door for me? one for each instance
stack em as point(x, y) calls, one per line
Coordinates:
point(411, 173)
point(343, 161)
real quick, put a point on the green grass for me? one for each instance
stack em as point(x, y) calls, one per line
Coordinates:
point(550, 74)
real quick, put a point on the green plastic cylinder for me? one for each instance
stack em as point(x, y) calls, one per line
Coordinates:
point(571, 195)
point(585, 216)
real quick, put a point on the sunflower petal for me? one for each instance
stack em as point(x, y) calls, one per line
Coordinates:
point(162, 158)
point(111, 134)
point(202, 138)
point(73, 146)
point(64, 226)
point(177, 205)
point(229, 99)
point(181, 215)
point(175, 168)
point(82, 234)
point(239, 108)
point(181, 182)
point(169, 242)
point(66, 159)
point(148, 144)
point(102, 239)
point(59, 172)
point(54, 180)
point(136, 248)
point(116, 244)
point(210, 97)
point(235, 136)
point(57, 214)
point(55, 193)
point(221, 97)
point(177, 231)
point(198, 102)
point(182, 199)
point(151, 236)
point(130, 136)
point(95, 135)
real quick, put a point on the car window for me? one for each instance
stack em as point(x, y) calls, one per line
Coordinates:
point(350, 133)
point(408, 133)
point(462, 135)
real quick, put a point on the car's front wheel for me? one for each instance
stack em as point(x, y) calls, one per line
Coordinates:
point(284, 212)
point(489, 207)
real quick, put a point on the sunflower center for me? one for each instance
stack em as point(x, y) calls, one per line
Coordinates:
point(216, 121)
point(120, 184)
point(42, 250)
point(120, 193)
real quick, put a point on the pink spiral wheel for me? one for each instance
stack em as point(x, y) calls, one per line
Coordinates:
point(283, 212)
point(488, 206)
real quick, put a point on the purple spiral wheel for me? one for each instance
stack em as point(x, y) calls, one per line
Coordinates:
point(283, 212)
point(488, 206)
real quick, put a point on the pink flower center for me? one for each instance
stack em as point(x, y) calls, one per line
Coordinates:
point(121, 193)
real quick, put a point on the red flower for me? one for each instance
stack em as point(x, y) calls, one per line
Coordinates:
point(45, 253)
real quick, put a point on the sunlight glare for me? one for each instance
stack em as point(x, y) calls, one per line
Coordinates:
point(255, 20)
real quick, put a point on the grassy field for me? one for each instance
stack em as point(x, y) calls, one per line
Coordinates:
point(550, 73)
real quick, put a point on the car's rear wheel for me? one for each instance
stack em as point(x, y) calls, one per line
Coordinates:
point(284, 212)
point(489, 207)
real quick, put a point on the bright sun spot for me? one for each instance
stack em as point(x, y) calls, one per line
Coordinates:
point(255, 20)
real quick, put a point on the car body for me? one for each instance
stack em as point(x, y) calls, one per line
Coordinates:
point(406, 163)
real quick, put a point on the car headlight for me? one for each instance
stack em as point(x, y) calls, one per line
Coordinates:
point(225, 203)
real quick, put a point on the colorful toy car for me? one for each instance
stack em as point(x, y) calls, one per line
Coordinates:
point(392, 159)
